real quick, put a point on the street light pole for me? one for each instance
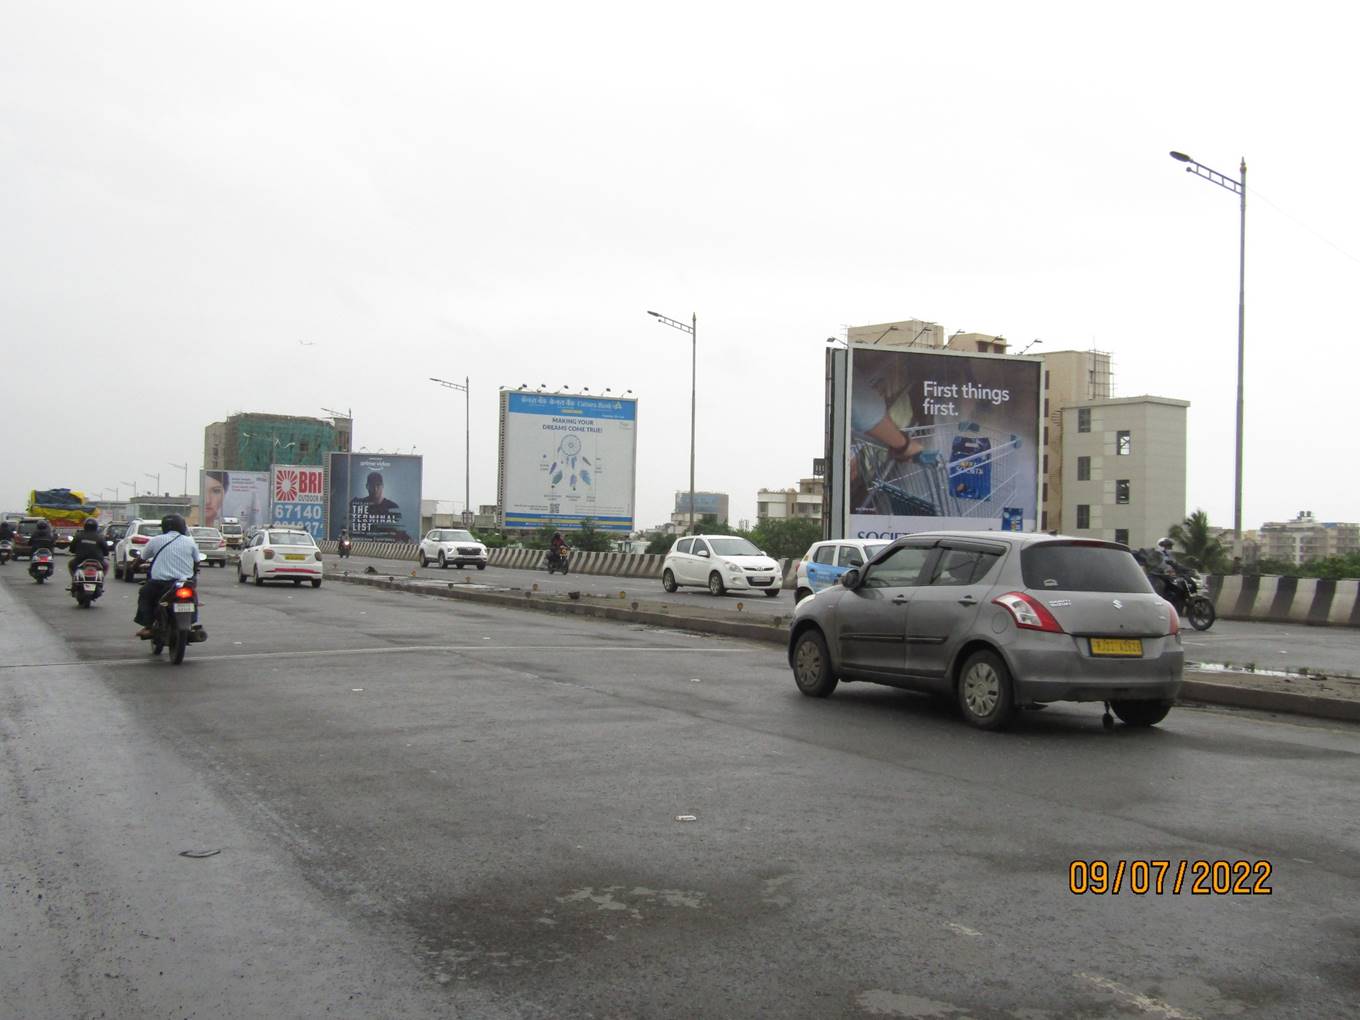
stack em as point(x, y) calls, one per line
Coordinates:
point(693, 330)
point(467, 435)
point(158, 480)
point(185, 468)
point(1239, 188)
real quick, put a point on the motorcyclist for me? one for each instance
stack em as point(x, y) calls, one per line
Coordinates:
point(6, 531)
point(173, 557)
point(87, 545)
point(559, 547)
point(42, 538)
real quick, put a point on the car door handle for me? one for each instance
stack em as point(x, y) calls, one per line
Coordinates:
point(968, 600)
point(901, 600)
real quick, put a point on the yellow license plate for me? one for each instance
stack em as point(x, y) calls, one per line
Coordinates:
point(1116, 646)
point(294, 556)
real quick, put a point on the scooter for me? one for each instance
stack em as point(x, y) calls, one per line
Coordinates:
point(343, 547)
point(87, 583)
point(175, 625)
point(40, 569)
point(6, 551)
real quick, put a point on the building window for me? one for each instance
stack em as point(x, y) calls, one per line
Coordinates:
point(1045, 435)
point(1045, 466)
point(1123, 443)
point(1045, 407)
point(1045, 492)
point(1083, 469)
point(1045, 378)
point(1121, 491)
point(1083, 516)
point(1083, 419)
point(1043, 522)
point(1121, 535)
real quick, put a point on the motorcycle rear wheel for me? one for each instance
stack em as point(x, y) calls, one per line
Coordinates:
point(181, 642)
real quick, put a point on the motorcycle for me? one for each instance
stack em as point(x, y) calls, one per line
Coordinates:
point(6, 551)
point(1185, 591)
point(175, 625)
point(87, 583)
point(343, 547)
point(558, 561)
point(40, 567)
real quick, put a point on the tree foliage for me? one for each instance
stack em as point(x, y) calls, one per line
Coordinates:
point(786, 537)
point(1198, 548)
point(1334, 568)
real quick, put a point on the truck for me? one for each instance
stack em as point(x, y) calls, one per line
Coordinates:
point(233, 532)
point(66, 510)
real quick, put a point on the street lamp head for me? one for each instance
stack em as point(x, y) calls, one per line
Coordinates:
point(656, 314)
point(1181, 156)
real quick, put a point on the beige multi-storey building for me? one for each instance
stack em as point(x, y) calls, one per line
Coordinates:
point(1070, 378)
point(803, 503)
point(1306, 538)
point(1123, 468)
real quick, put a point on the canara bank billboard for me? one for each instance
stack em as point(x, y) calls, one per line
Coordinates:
point(566, 458)
point(924, 440)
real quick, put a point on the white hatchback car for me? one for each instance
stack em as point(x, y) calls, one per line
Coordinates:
point(139, 532)
point(822, 565)
point(280, 554)
point(720, 563)
point(454, 546)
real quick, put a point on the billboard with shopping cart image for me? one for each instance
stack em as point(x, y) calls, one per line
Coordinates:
point(938, 439)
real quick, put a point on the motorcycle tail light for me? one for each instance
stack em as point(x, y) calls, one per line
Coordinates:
point(184, 594)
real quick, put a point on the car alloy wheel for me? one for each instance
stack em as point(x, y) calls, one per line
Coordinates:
point(443, 563)
point(715, 584)
point(812, 665)
point(668, 581)
point(424, 561)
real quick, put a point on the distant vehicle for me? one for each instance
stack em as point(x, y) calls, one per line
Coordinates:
point(175, 624)
point(823, 564)
point(87, 583)
point(721, 563)
point(212, 544)
point(139, 532)
point(996, 621)
point(280, 554)
point(232, 532)
point(23, 533)
point(452, 546)
point(112, 533)
point(40, 568)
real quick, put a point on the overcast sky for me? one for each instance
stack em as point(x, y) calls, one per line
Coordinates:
point(192, 192)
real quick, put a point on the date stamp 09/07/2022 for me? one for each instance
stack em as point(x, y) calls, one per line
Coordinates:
point(1160, 877)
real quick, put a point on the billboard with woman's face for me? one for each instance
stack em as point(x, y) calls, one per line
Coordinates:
point(243, 495)
point(941, 440)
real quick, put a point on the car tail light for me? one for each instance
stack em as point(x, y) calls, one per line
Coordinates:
point(140, 540)
point(1029, 614)
point(318, 554)
point(1175, 621)
point(221, 543)
point(185, 594)
point(269, 554)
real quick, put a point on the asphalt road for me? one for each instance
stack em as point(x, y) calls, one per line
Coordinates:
point(1266, 646)
point(429, 808)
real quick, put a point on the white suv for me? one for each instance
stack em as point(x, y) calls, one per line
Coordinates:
point(721, 563)
point(138, 534)
point(452, 546)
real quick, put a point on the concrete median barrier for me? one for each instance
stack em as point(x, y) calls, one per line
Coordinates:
point(1269, 599)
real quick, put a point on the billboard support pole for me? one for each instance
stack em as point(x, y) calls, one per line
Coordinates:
point(467, 435)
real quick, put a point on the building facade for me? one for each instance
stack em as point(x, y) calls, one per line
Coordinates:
point(706, 505)
point(253, 442)
point(1070, 378)
point(1123, 468)
point(803, 503)
point(1306, 538)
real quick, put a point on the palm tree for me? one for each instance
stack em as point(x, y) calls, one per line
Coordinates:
point(1199, 548)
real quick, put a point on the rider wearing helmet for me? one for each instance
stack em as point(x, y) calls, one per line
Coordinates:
point(42, 538)
point(559, 547)
point(87, 545)
point(172, 557)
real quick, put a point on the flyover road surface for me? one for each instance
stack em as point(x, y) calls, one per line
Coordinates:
point(403, 806)
point(1264, 646)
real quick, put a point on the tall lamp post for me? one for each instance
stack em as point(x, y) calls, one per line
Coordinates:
point(133, 485)
point(185, 468)
point(693, 330)
point(467, 439)
point(1237, 187)
point(158, 480)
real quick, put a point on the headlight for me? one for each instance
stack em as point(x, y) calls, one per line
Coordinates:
point(734, 568)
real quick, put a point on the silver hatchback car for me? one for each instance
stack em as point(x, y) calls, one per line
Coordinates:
point(996, 621)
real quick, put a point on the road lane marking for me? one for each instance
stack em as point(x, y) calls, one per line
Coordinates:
point(383, 650)
point(1138, 1000)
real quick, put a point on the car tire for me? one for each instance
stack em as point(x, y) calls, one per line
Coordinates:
point(129, 573)
point(715, 584)
point(812, 672)
point(1141, 713)
point(240, 576)
point(459, 565)
point(259, 581)
point(481, 566)
point(423, 561)
point(774, 594)
point(801, 594)
point(986, 696)
point(668, 581)
point(443, 563)
point(316, 583)
point(297, 582)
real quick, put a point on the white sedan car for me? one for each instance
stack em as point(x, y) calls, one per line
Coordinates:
point(452, 546)
point(280, 554)
point(721, 563)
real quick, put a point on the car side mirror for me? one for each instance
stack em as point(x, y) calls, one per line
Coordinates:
point(703, 553)
point(851, 578)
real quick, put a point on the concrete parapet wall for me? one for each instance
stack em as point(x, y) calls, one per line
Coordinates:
point(1272, 599)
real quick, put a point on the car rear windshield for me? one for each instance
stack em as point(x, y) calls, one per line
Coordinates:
point(1081, 566)
point(733, 547)
point(149, 528)
point(290, 538)
point(205, 533)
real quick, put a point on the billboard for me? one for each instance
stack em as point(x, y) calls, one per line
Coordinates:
point(566, 458)
point(299, 497)
point(935, 439)
point(243, 495)
point(375, 496)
